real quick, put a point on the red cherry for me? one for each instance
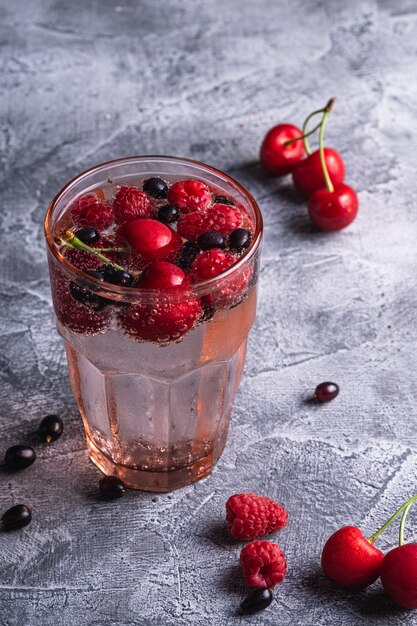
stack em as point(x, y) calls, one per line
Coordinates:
point(162, 275)
point(148, 237)
point(350, 560)
point(278, 158)
point(308, 175)
point(399, 575)
point(333, 210)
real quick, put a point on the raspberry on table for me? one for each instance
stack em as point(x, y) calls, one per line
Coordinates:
point(219, 218)
point(190, 195)
point(250, 516)
point(131, 203)
point(263, 564)
point(90, 211)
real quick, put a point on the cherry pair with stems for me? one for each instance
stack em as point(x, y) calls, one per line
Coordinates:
point(352, 561)
point(332, 205)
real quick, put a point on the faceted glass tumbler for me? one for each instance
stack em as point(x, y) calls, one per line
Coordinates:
point(155, 414)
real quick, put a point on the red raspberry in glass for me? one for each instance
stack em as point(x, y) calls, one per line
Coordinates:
point(90, 211)
point(250, 516)
point(160, 322)
point(263, 564)
point(131, 203)
point(212, 263)
point(230, 290)
point(219, 218)
point(189, 196)
point(77, 317)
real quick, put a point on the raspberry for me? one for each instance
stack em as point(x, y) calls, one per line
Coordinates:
point(263, 564)
point(77, 317)
point(189, 195)
point(211, 263)
point(229, 291)
point(90, 211)
point(161, 321)
point(250, 516)
point(131, 203)
point(219, 218)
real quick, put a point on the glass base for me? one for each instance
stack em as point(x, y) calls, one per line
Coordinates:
point(158, 481)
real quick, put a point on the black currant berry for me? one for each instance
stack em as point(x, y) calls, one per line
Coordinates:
point(211, 239)
point(325, 392)
point(168, 214)
point(19, 457)
point(257, 601)
point(88, 235)
point(87, 298)
point(224, 200)
point(156, 187)
point(51, 428)
point(116, 277)
point(17, 517)
point(189, 251)
point(112, 487)
point(240, 239)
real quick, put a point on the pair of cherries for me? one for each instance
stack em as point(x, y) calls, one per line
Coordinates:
point(319, 175)
point(352, 561)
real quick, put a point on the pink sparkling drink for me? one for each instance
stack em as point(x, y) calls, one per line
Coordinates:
point(155, 403)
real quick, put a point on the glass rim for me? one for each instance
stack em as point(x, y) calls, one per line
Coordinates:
point(128, 292)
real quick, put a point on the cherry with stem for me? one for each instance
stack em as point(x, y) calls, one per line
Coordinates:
point(399, 568)
point(332, 207)
point(351, 560)
point(308, 176)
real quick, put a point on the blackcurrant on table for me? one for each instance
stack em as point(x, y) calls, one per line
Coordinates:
point(83, 83)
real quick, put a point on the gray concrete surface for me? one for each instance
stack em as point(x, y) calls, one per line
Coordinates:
point(83, 82)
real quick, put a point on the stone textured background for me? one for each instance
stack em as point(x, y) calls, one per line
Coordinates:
point(84, 82)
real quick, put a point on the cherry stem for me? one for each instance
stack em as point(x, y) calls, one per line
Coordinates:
point(121, 249)
point(402, 523)
point(402, 508)
point(303, 137)
point(326, 111)
point(304, 128)
point(71, 241)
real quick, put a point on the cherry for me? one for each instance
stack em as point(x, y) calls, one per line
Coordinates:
point(350, 560)
point(148, 237)
point(279, 157)
point(331, 207)
point(399, 575)
point(308, 175)
point(399, 568)
point(333, 210)
point(162, 275)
